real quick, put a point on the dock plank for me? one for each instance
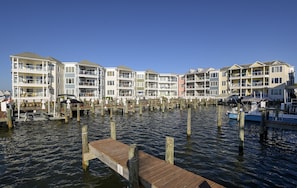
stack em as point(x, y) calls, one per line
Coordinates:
point(153, 172)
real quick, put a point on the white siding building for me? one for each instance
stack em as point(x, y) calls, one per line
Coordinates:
point(168, 85)
point(36, 78)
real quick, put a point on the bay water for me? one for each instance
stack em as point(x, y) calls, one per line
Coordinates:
point(48, 153)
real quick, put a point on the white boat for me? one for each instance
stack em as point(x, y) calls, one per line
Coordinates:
point(32, 116)
point(254, 114)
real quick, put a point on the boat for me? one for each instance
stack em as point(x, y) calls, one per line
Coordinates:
point(32, 116)
point(255, 113)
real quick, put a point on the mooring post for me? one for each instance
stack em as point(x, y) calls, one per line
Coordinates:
point(85, 147)
point(263, 131)
point(133, 166)
point(140, 108)
point(102, 108)
point(238, 111)
point(70, 113)
point(189, 122)
point(78, 112)
point(163, 106)
point(241, 132)
point(126, 107)
point(65, 113)
point(9, 117)
point(93, 106)
point(169, 156)
point(113, 134)
point(110, 112)
point(219, 117)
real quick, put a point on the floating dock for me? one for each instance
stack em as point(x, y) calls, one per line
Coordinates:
point(153, 172)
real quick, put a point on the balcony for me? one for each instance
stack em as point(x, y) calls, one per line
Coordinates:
point(88, 72)
point(31, 82)
point(125, 76)
point(86, 94)
point(125, 85)
point(87, 84)
point(30, 68)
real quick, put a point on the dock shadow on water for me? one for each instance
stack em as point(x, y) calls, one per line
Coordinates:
point(48, 154)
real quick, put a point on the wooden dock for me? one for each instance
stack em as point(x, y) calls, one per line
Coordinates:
point(153, 172)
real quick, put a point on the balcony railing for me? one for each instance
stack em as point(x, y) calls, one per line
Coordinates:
point(126, 76)
point(87, 84)
point(86, 72)
point(86, 94)
point(31, 68)
point(31, 81)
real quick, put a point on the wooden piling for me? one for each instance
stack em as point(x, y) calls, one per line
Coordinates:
point(93, 107)
point(238, 111)
point(140, 109)
point(65, 113)
point(70, 113)
point(241, 132)
point(102, 108)
point(113, 134)
point(9, 117)
point(133, 166)
point(110, 112)
point(189, 122)
point(263, 131)
point(219, 117)
point(85, 147)
point(78, 112)
point(163, 107)
point(169, 156)
point(126, 108)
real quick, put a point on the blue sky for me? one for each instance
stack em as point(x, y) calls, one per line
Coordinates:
point(168, 36)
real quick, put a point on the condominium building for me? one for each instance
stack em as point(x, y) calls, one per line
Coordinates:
point(36, 78)
point(151, 84)
point(214, 84)
point(120, 82)
point(168, 85)
point(84, 79)
point(197, 82)
point(268, 79)
point(181, 85)
point(140, 84)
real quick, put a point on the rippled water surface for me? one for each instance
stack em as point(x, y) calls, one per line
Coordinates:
point(48, 154)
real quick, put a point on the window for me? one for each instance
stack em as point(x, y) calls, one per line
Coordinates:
point(110, 83)
point(110, 92)
point(214, 75)
point(69, 69)
point(213, 83)
point(277, 69)
point(276, 80)
point(110, 73)
point(223, 83)
point(69, 80)
point(140, 76)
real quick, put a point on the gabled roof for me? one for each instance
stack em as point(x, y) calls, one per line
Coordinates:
point(29, 55)
point(257, 64)
point(86, 62)
point(53, 59)
point(124, 68)
point(151, 71)
point(235, 66)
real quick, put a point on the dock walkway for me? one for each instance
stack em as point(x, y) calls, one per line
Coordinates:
point(153, 172)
